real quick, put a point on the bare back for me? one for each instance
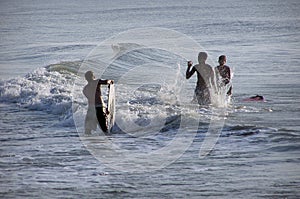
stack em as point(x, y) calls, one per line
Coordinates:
point(205, 74)
point(92, 91)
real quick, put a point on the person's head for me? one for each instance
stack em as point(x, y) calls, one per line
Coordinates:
point(222, 60)
point(89, 76)
point(258, 97)
point(202, 56)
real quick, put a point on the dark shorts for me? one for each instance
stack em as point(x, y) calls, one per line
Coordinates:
point(95, 116)
point(102, 118)
point(202, 96)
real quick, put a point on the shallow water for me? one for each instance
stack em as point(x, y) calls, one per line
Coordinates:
point(44, 153)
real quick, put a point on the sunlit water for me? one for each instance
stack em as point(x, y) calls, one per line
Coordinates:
point(42, 149)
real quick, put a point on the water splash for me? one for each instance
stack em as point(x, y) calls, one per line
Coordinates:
point(218, 91)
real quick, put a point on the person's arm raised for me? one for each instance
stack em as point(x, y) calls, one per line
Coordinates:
point(190, 72)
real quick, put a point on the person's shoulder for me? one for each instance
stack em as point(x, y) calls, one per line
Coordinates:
point(195, 67)
point(208, 67)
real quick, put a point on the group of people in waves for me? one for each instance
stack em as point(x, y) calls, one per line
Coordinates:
point(207, 77)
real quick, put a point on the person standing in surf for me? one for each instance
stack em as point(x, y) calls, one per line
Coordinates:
point(97, 112)
point(225, 73)
point(205, 79)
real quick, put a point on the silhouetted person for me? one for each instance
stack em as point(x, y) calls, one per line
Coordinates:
point(225, 73)
point(205, 79)
point(97, 112)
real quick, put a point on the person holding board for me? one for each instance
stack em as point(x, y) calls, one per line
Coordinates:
point(97, 111)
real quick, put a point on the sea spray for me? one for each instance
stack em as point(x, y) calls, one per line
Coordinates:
point(218, 91)
point(40, 90)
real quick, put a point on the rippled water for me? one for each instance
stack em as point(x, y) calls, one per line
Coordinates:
point(43, 153)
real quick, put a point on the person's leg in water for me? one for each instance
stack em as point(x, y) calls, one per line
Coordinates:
point(102, 119)
point(90, 120)
point(202, 95)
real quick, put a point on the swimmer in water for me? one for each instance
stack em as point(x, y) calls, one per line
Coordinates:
point(255, 98)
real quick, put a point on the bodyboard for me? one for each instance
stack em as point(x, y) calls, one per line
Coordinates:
point(111, 107)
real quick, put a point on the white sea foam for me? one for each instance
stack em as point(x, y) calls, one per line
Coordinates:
point(40, 90)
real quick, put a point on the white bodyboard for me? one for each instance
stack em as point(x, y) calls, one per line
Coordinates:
point(111, 106)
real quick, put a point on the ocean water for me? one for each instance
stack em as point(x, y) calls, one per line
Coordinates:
point(161, 146)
